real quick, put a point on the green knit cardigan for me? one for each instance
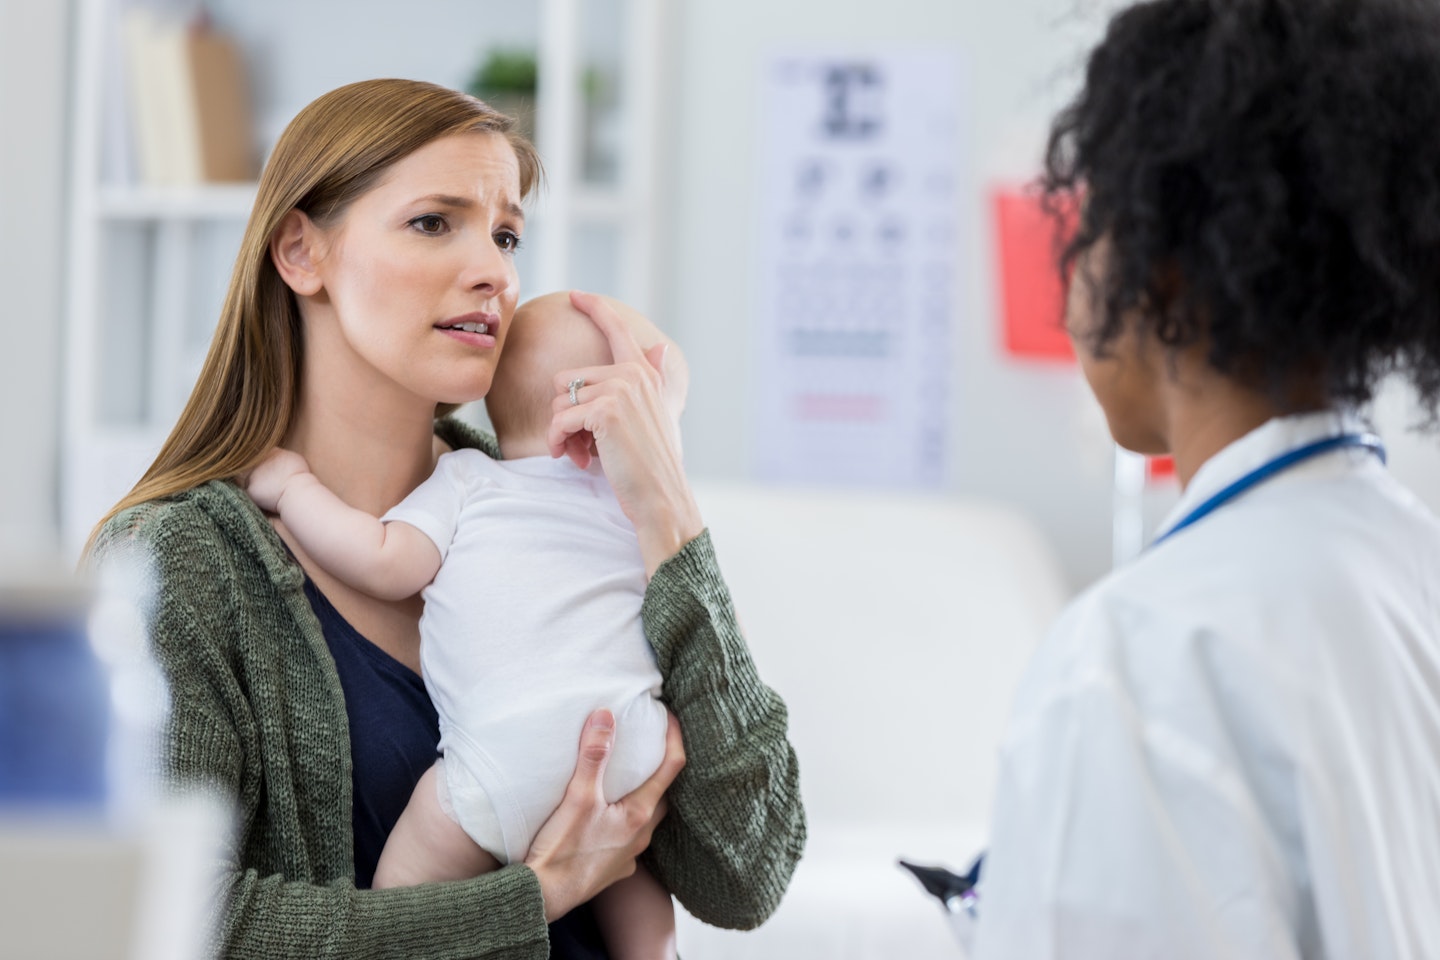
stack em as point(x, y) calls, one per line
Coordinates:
point(256, 708)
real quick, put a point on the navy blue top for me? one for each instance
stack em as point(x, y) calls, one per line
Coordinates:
point(394, 738)
point(394, 731)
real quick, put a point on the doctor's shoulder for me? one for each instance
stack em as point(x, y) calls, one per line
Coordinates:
point(1153, 632)
point(1292, 553)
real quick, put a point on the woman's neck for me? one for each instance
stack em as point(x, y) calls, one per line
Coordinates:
point(1206, 411)
point(1198, 433)
point(371, 454)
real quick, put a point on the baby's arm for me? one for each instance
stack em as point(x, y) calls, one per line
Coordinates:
point(390, 561)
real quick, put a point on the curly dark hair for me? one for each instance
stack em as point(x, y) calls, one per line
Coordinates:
point(1266, 174)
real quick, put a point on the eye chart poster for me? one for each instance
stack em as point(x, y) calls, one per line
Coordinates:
point(857, 267)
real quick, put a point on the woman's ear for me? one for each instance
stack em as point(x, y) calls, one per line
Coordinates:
point(296, 247)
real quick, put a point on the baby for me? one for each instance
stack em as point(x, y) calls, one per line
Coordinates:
point(533, 582)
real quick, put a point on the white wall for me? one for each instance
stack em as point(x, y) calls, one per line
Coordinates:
point(1026, 433)
point(33, 89)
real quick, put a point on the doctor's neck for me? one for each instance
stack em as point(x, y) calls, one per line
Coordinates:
point(1203, 410)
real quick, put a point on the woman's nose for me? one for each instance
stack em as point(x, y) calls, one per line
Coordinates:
point(487, 267)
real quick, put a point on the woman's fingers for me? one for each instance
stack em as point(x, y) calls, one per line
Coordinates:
point(620, 413)
point(633, 336)
point(580, 448)
point(588, 844)
point(597, 739)
point(623, 345)
point(646, 805)
point(574, 425)
point(582, 848)
point(590, 378)
point(620, 398)
point(651, 793)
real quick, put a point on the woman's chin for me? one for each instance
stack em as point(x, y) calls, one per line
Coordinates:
point(461, 390)
point(1144, 443)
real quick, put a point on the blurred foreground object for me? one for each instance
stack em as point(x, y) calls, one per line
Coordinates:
point(54, 718)
point(99, 862)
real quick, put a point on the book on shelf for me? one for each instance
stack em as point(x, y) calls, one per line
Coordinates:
point(189, 101)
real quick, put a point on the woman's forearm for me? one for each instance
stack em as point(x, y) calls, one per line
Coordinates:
point(668, 527)
point(736, 826)
point(500, 914)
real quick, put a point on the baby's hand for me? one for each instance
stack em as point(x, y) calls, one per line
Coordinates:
point(267, 481)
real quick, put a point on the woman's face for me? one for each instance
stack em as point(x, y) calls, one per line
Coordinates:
point(418, 282)
point(1127, 378)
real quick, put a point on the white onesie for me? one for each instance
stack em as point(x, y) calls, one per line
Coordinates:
point(532, 623)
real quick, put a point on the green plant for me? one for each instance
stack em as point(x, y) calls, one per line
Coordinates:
point(505, 71)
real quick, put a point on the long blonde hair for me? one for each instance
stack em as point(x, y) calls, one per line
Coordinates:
point(331, 153)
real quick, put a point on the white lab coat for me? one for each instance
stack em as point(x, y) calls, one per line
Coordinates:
point(1230, 748)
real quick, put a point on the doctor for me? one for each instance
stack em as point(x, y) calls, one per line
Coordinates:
point(1230, 748)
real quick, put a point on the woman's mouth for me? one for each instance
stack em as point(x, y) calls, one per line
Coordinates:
point(475, 329)
point(467, 327)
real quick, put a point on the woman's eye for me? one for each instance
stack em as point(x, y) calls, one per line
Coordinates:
point(431, 223)
point(507, 241)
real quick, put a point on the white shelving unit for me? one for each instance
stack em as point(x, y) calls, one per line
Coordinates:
point(147, 266)
point(175, 204)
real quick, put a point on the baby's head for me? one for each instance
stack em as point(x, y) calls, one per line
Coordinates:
point(548, 335)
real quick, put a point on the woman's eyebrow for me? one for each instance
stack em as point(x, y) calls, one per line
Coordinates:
point(465, 203)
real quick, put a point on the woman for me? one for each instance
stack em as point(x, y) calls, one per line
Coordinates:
point(1231, 747)
point(372, 292)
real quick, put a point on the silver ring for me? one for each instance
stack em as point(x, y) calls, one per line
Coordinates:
point(576, 384)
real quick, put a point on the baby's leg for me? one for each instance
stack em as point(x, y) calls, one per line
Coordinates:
point(637, 918)
point(426, 845)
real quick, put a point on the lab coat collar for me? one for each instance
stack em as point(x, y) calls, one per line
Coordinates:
point(1271, 439)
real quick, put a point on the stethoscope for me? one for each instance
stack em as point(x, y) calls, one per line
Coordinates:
point(959, 893)
point(1269, 469)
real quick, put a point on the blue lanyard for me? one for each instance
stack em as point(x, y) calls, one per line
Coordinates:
point(1267, 470)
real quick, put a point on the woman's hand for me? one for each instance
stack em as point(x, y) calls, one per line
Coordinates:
point(266, 483)
point(588, 844)
point(622, 410)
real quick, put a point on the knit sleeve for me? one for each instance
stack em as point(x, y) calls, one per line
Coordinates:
point(498, 915)
point(736, 827)
point(282, 888)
